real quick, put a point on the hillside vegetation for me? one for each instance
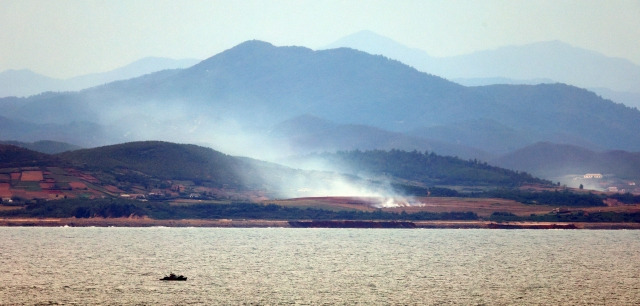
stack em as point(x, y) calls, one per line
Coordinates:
point(160, 160)
point(204, 183)
point(14, 156)
point(426, 168)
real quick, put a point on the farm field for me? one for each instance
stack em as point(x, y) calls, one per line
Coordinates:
point(483, 207)
point(46, 183)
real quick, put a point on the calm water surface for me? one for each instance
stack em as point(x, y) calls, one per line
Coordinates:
point(121, 266)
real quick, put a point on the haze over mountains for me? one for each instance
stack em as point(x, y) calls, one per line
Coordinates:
point(24, 82)
point(270, 102)
point(553, 161)
point(542, 62)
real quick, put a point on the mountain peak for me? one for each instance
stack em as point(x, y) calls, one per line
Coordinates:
point(366, 35)
point(369, 42)
point(21, 74)
point(244, 52)
point(254, 43)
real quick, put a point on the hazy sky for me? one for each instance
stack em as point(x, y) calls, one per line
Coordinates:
point(68, 38)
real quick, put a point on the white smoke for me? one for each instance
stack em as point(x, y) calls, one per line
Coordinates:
point(311, 178)
point(316, 178)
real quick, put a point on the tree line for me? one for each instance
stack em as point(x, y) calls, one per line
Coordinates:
point(114, 208)
point(578, 216)
point(557, 198)
point(431, 168)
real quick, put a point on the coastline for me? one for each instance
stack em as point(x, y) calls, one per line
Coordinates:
point(258, 223)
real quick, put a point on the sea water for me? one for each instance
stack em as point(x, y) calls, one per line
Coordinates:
point(274, 266)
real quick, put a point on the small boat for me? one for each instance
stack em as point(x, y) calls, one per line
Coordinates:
point(173, 277)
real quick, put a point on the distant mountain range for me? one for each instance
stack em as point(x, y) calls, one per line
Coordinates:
point(260, 100)
point(556, 160)
point(542, 62)
point(308, 134)
point(75, 133)
point(22, 83)
point(44, 146)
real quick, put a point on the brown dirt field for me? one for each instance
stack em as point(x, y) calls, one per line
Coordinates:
point(482, 207)
point(5, 186)
point(47, 185)
point(89, 178)
point(631, 208)
point(53, 192)
point(77, 185)
point(196, 201)
point(330, 203)
point(32, 176)
point(15, 176)
point(112, 189)
point(39, 195)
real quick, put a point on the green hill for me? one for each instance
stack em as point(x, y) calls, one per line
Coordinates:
point(150, 162)
point(161, 160)
point(14, 156)
point(424, 168)
point(88, 181)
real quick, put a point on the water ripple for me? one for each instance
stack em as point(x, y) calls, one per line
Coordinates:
point(121, 266)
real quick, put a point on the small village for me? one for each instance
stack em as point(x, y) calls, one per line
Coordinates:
point(604, 183)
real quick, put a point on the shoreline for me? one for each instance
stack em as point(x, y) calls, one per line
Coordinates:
point(259, 223)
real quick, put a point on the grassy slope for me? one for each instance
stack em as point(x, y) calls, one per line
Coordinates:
point(161, 160)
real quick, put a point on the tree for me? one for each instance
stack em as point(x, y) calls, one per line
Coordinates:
point(581, 187)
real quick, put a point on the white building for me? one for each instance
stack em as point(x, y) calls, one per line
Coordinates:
point(593, 175)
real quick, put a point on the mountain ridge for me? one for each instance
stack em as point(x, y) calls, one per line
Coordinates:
point(556, 160)
point(539, 60)
point(24, 82)
point(257, 85)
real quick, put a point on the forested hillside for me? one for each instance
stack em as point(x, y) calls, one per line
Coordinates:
point(14, 156)
point(424, 167)
point(161, 160)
